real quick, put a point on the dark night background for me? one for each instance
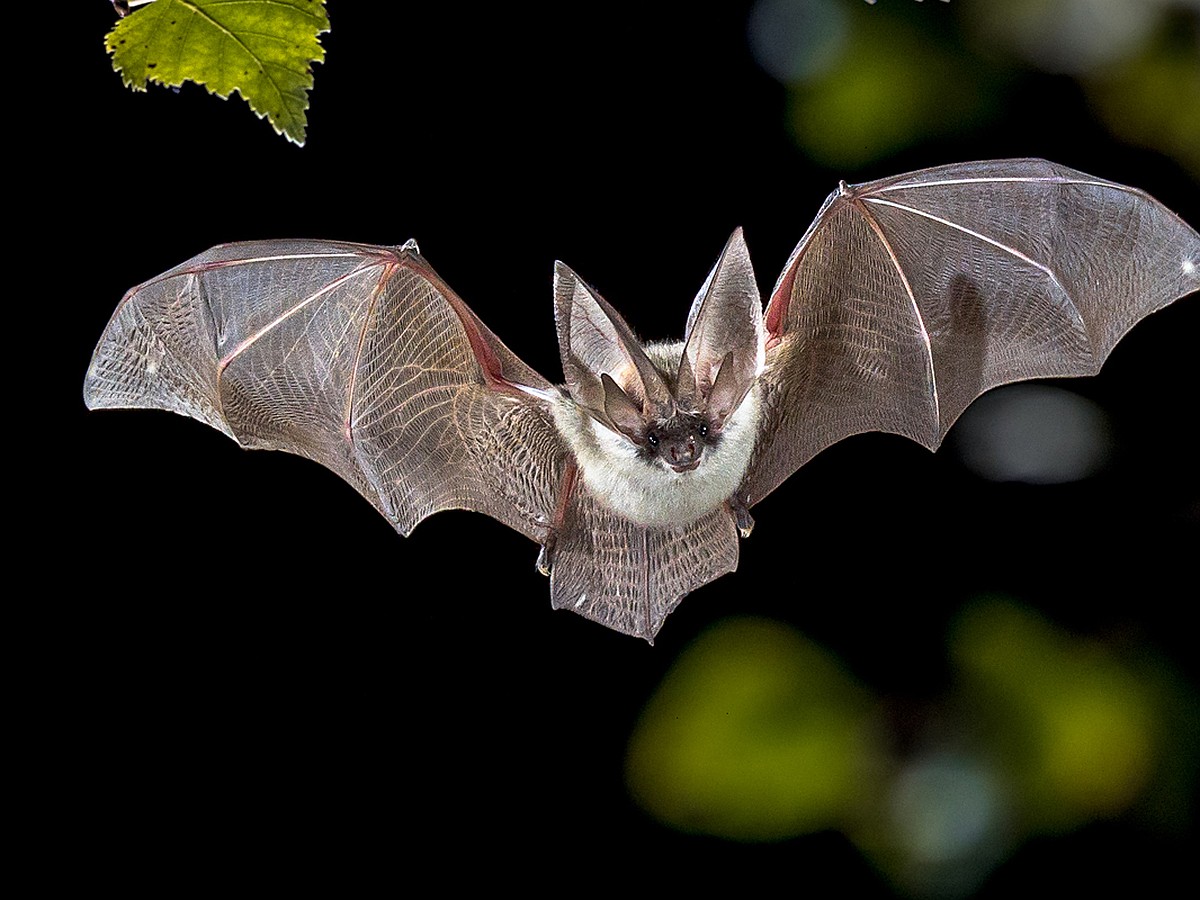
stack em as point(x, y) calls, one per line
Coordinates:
point(247, 671)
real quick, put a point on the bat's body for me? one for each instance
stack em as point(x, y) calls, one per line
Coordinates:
point(906, 299)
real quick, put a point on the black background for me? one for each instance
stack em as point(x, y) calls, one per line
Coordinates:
point(248, 671)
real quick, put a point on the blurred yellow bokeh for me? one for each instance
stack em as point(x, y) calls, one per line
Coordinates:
point(759, 734)
point(755, 734)
point(867, 81)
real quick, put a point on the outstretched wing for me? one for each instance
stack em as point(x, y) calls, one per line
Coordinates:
point(911, 296)
point(355, 356)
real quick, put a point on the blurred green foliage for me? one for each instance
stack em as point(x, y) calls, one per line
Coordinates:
point(1153, 97)
point(892, 86)
point(757, 733)
point(1079, 729)
point(867, 81)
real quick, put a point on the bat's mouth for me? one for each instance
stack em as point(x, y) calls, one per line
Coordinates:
point(686, 467)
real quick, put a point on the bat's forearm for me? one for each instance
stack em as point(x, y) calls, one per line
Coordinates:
point(566, 492)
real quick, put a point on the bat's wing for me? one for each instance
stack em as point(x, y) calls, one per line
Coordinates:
point(911, 296)
point(358, 357)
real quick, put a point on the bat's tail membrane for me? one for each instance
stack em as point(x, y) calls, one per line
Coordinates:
point(630, 577)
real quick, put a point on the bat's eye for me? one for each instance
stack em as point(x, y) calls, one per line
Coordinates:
point(702, 430)
point(652, 440)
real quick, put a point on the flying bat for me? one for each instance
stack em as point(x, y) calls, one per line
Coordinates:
point(906, 299)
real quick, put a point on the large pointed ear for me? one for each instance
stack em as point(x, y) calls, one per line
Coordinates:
point(593, 341)
point(723, 347)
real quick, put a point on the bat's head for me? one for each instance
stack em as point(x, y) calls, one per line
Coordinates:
point(671, 403)
point(667, 436)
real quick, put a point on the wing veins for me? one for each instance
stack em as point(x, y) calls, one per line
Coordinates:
point(1049, 179)
point(646, 611)
point(195, 270)
point(283, 317)
point(249, 260)
point(1012, 251)
point(878, 229)
point(384, 276)
point(440, 418)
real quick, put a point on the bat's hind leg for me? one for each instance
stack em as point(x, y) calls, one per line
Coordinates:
point(741, 515)
point(566, 489)
point(545, 560)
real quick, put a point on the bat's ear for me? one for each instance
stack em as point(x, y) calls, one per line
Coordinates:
point(621, 411)
point(594, 341)
point(723, 346)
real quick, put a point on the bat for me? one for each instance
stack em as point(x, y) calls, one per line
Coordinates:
point(906, 299)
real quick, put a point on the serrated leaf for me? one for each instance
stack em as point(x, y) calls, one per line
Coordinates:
point(263, 49)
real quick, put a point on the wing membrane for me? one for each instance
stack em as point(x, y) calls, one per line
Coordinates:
point(909, 297)
point(357, 357)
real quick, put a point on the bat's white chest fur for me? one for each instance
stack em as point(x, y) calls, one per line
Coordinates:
point(644, 491)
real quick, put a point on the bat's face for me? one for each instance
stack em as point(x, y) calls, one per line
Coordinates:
point(664, 436)
point(678, 443)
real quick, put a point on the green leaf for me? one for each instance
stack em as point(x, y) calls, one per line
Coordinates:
point(263, 49)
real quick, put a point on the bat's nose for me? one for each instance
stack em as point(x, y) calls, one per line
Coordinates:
point(684, 453)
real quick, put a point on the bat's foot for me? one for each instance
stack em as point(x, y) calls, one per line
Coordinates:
point(545, 560)
point(741, 516)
